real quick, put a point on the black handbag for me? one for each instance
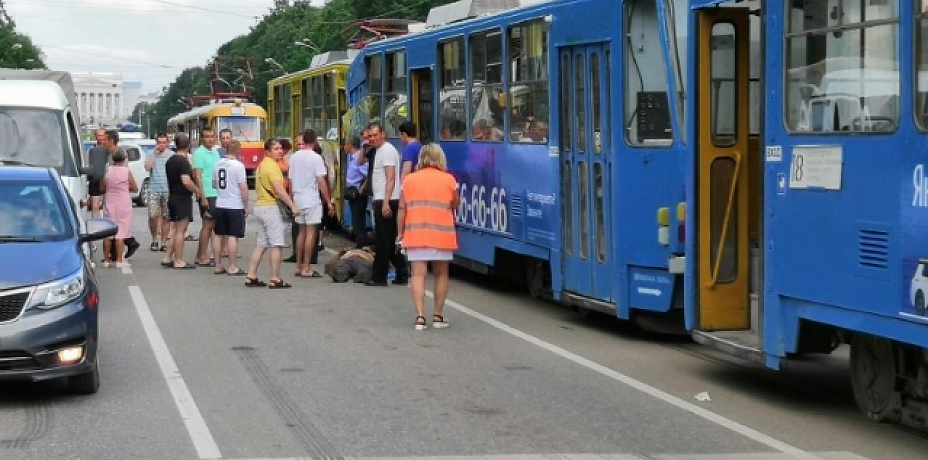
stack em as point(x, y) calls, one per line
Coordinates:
point(352, 193)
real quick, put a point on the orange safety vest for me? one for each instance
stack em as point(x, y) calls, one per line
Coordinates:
point(429, 220)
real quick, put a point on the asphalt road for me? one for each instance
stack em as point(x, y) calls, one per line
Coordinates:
point(199, 366)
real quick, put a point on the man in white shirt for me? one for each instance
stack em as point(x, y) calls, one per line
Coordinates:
point(230, 182)
point(385, 181)
point(308, 181)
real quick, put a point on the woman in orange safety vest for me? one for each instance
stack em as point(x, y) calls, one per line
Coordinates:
point(428, 199)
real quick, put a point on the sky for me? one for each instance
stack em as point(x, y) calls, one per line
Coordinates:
point(150, 41)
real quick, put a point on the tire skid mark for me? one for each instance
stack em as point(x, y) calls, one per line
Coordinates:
point(307, 435)
point(38, 418)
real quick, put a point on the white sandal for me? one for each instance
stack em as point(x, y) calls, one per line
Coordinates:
point(441, 323)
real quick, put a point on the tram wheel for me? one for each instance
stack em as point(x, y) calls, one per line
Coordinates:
point(920, 302)
point(873, 377)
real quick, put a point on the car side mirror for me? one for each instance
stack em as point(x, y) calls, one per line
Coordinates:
point(99, 228)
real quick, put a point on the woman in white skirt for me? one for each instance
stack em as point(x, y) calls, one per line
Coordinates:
point(426, 229)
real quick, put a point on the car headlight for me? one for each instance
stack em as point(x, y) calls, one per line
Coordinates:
point(57, 293)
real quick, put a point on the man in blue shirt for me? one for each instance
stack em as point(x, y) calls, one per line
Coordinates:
point(410, 150)
point(357, 200)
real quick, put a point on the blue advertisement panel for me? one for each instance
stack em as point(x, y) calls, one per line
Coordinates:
point(650, 289)
point(507, 190)
point(914, 247)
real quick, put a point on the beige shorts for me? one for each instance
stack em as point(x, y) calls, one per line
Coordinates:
point(309, 216)
point(270, 226)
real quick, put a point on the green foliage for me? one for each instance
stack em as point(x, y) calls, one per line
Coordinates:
point(17, 50)
point(326, 28)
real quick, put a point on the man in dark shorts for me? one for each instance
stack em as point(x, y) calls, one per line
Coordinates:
point(98, 158)
point(181, 190)
point(230, 181)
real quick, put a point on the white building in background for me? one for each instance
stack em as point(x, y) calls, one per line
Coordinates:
point(104, 99)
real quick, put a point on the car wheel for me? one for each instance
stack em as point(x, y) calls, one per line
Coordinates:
point(86, 383)
point(142, 200)
point(920, 302)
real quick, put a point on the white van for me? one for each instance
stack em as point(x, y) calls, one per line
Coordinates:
point(135, 159)
point(38, 126)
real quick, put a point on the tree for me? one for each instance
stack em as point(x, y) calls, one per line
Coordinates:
point(17, 50)
point(271, 43)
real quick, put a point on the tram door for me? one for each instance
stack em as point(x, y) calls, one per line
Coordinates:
point(422, 103)
point(723, 172)
point(586, 159)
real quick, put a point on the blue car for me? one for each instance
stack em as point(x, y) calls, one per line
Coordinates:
point(49, 299)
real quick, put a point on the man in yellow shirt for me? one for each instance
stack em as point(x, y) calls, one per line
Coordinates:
point(269, 186)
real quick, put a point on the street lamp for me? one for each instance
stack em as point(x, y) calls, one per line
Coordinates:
point(307, 43)
point(274, 63)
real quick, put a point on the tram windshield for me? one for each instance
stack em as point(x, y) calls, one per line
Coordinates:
point(244, 129)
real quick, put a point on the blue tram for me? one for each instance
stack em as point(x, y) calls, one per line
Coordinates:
point(809, 232)
point(758, 166)
point(561, 135)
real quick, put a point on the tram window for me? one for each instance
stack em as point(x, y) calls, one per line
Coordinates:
point(329, 114)
point(282, 115)
point(597, 114)
point(397, 108)
point(599, 197)
point(307, 121)
point(921, 91)
point(375, 88)
point(580, 100)
point(486, 70)
point(723, 221)
point(567, 187)
point(724, 97)
point(842, 67)
point(452, 97)
point(527, 99)
point(647, 113)
point(564, 114)
point(584, 185)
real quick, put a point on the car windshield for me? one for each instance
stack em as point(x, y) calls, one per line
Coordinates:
point(32, 211)
point(31, 136)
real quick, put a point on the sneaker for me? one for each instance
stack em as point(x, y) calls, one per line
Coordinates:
point(132, 245)
point(123, 265)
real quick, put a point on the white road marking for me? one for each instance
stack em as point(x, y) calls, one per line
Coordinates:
point(196, 425)
point(750, 433)
point(738, 456)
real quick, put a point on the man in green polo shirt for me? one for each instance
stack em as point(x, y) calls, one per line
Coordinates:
point(205, 158)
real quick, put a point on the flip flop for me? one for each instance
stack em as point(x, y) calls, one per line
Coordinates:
point(240, 272)
point(314, 274)
point(185, 266)
point(221, 271)
point(211, 263)
point(167, 264)
point(190, 238)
